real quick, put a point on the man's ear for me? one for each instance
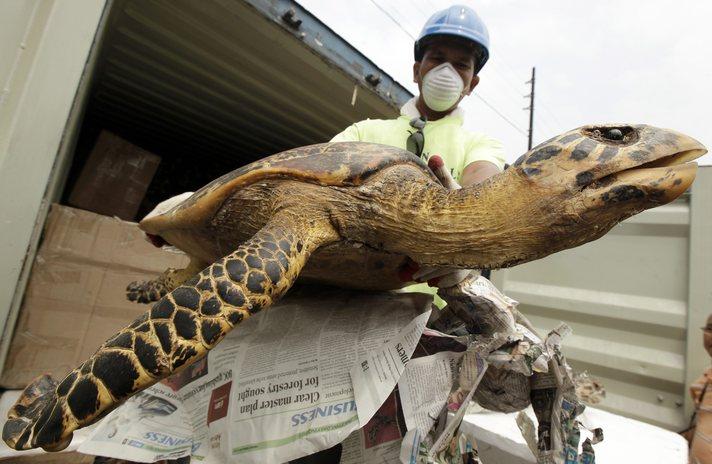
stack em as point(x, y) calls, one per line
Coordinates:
point(473, 83)
point(416, 68)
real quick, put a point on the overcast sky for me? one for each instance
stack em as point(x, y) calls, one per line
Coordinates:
point(596, 61)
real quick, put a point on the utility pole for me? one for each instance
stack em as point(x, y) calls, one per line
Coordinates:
point(531, 108)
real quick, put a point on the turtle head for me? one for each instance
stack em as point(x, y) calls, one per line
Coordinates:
point(575, 187)
point(614, 162)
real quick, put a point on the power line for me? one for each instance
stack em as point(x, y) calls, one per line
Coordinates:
point(512, 102)
point(435, 7)
point(409, 22)
point(501, 59)
point(500, 81)
point(542, 103)
point(394, 20)
point(494, 62)
point(417, 7)
point(543, 118)
point(548, 120)
point(553, 116)
point(521, 131)
point(541, 125)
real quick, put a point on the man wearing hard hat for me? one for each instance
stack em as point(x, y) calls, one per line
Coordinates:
point(450, 52)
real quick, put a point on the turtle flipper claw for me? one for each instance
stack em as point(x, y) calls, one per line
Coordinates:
point(146, 291)
point(35, 404)
point(150, 291)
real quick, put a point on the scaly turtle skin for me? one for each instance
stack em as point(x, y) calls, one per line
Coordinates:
point(360, 210)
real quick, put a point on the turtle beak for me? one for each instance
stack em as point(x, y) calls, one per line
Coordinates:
point(652, 173)
point(663, 184)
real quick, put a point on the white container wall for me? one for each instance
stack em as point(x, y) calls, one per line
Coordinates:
point(629, 299)
point(44, 46)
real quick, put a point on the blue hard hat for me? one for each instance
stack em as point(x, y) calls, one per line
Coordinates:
point(459, 21)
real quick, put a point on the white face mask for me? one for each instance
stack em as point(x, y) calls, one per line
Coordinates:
point(442, 87)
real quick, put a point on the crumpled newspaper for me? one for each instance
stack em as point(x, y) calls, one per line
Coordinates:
point(556, 406)
point(491, 317)
point(522, 370)
point(503, 391)
point(444, 443)
point(461, 448)
point(588, 389)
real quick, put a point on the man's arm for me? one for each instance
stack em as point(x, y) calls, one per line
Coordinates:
point(484, 159)
point(477, 171)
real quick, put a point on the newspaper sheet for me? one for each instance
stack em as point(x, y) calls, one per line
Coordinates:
point(435, 393)
point(276, 388)
point(424, 388)
point(420, 416)
point(380, 439)
point(376, 374)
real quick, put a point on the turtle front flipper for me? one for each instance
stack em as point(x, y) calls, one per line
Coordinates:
point(32, 402)
point(178, 330)
point(148, 291)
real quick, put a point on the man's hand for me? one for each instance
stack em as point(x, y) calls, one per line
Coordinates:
point(437, 165)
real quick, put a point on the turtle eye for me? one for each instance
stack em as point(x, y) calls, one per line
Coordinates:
point(617, 135)
point(614, 134)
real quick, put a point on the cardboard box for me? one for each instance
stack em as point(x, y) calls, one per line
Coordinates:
point(75, 298)
point(115, 178)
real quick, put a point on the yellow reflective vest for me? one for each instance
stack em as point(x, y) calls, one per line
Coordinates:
point(445, 137)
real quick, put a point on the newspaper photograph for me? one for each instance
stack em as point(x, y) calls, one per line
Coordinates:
point(380, 439)
point(150, 424)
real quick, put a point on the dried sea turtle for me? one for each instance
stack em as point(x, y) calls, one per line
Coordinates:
point(355, 212)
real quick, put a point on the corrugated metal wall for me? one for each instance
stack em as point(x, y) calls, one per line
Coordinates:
point(231, 79)
point(626, 298)
point(213, 85)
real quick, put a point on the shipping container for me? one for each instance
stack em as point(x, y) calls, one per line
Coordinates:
point(209, 86)
point(205, 86)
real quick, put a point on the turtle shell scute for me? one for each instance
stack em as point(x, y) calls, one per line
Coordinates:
point(338, 164)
